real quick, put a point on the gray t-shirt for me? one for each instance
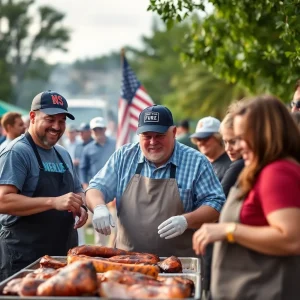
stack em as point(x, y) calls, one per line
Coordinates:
point(19, 167)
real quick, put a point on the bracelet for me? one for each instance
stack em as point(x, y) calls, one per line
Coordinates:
point(84, 207)
point(230, 229)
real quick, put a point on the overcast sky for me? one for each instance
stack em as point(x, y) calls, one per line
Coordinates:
point(101, 26)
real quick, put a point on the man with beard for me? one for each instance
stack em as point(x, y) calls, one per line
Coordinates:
point(40, 193)
point(164, 190)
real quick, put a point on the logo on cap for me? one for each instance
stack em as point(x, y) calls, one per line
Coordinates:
point(200, 124)
point(151, 117)
point(57, 100)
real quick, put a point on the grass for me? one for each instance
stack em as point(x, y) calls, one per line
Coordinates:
point(89, 236)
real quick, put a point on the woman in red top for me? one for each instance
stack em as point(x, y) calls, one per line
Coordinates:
point(257, 249)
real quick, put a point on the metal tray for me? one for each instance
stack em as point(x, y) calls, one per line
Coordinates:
point(189, 264)
point(23, 273)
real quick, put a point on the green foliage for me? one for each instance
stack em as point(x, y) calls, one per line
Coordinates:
point(159, 61)
point(5, 84)
point(189, 90)
point(19, 48)
point(197, 93)
point(254, 43)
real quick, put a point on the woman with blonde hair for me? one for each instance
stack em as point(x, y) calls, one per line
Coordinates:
point(257, 249)
point(237, 163)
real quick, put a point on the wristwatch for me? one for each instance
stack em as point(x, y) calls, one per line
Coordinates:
point(230, 229)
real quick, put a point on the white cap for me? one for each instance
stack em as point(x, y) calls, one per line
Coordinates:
point(97, 122)
point(206, 127)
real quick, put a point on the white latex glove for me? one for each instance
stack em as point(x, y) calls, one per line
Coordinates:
point(102, 219)
point(172, 227)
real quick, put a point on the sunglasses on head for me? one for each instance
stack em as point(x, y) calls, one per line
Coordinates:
point(295, 103)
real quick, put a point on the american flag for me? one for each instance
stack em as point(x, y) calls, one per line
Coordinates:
point(134, 99)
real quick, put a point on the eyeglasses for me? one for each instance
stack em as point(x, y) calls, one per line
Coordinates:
point(295, 103)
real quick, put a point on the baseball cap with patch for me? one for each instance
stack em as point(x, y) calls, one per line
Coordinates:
point(98, 122)
point(156, 118)
point(51, 103)
point(206, 127)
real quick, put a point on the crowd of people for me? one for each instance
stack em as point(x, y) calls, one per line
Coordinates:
point(228, 193)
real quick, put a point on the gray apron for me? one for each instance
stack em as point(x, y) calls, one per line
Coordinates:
point(240, 273)
point(145, 204)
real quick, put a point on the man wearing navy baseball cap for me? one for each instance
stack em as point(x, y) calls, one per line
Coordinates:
point(51, 103)
point(40, 192)
point(155, 118)
point(164, 190)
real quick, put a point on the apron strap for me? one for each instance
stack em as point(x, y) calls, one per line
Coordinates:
point(139, 168)
point(172, 169)
point(35, 150)
point(33, 146)
point(61, 159)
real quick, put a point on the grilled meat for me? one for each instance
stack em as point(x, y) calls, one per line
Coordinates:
point(127, 277)
point(112, 289)
point(12, 287)
point(171, 264)
point(49, 262)
point(29, 286)
point(106, 252)
point(77, 279)
point(42, 273)
point(142, 258)
point(102, 265)
point(185, 281)
point(99, 251)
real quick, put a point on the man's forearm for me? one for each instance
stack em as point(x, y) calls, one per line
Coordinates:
point(93, 198)
point(203, 214)
point(20, 205)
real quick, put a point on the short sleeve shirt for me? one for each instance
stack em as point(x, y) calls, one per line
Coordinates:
point(277, 187)
point(19, 166)
point(196, 180)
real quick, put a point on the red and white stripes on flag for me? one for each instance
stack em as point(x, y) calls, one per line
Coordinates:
point(133, 100)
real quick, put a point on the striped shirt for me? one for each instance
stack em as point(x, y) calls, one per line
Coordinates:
point(196, 180)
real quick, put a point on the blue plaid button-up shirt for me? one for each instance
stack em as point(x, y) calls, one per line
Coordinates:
point(196, 180)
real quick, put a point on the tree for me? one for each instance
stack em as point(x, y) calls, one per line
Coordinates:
point(254, 43)
point(19, 48)
point(198, 93)
point(190, 90)
point(159, 60)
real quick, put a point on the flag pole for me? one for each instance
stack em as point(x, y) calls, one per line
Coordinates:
point(119, 128)
point(122, 56)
